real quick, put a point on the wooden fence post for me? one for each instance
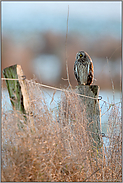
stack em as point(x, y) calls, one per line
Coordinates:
point(18, 92)
point(93, 113)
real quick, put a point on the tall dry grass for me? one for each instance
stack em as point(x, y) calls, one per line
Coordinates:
point(60, 149)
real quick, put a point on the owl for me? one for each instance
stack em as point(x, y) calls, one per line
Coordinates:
point(83, 68)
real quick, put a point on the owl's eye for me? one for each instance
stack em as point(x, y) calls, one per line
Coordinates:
point(83, 55)
point(80, 55)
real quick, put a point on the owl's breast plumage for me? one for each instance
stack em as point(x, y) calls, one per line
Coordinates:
point(83, 72)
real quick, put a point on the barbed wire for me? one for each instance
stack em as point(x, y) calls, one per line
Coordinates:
point(54, 88)
point(63, 90)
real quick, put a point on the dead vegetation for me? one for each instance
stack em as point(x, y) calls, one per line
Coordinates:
point(60, 149)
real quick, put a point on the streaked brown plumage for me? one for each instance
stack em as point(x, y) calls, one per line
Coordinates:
point(83, 68)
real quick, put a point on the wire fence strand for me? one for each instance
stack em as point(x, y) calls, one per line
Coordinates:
point(9, 79)
point(64, 90)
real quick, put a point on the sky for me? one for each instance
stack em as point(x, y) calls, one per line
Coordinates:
point(77, 8)
point(44, 16)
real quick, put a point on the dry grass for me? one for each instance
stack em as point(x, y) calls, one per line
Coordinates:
point(60, 149)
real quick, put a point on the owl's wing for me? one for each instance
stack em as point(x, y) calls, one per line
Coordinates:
point(76, 71)
point(91, 68)
point(90, 73)
point(88, 69)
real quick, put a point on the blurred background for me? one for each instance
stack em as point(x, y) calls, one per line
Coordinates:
point(34, 36)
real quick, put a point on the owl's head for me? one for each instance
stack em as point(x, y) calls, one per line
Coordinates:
point(81, 55)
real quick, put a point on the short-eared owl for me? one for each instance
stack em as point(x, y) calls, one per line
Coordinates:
point(83, 68)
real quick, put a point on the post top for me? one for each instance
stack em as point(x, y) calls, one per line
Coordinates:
point(94, 89)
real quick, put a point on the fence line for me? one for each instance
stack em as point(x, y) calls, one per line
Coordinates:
point(64, 90)
point(8, 79)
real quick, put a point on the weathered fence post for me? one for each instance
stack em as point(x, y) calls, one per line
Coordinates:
point(18, 92)
point(92, 109)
